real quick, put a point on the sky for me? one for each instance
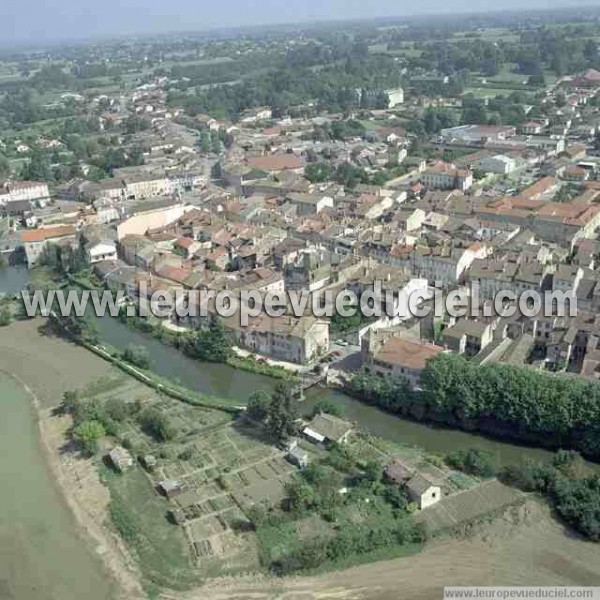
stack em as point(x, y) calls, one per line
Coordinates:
point(40, 21)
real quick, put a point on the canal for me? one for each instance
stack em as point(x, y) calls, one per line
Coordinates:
point(222, 380)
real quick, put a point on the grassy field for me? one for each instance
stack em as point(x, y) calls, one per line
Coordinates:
point(206, 447)
point(489, 35)
point(139, 515)
point(468, 506)
point(487, 92)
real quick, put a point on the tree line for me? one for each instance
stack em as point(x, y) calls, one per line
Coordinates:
point(505, 401)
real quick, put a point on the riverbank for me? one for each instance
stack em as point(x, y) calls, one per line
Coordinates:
point(88, 500)
point(44, 368)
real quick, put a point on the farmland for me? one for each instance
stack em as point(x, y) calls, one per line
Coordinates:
point(226, 469)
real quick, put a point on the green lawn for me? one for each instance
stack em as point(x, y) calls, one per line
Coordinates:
point(483, 92)
point(140, 516)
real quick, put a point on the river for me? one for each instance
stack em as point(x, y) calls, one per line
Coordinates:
point(13, 279)
point(42, 556)
point(222, 380)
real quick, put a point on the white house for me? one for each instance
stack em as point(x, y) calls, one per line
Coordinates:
point(100, 251)
point(395, 97)
point(422, 492)
point(500, 164)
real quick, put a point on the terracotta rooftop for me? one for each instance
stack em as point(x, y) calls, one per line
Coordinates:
point(275, 162)
point(48, 233)
point(407, 353)
point(538, 188)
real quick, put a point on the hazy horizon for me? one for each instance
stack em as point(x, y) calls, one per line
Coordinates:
point(34, 22)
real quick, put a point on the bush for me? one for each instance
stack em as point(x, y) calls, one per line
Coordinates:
point(473, 461)
point(578, 503)
point(157, 425)
point(186, 453)
point(87, 434)
point(117, 409)
point(530, 477)
point(70, 402)
point(5, 316)
point(136, 355)
point(324, 405)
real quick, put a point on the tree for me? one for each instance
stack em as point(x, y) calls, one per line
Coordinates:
point(473, 461)
point(281, 414)
point(300, 496)
point(4, 166)
point(591, 50)
point(205, 142)
point(87, 434)
point(396, 496)
point(38, 168)
point(5, 316)
point(135, 124)
point(213, 344)
point(318, 172)
point(258, 405)
point(137, 355)
point(157, 425)
point(537, 80)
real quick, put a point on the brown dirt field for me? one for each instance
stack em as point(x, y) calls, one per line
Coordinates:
point(48, 365)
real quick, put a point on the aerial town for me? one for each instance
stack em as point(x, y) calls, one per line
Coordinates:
point(436, 154)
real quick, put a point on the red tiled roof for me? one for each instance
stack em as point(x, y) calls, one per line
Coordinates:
point(176, 274)
point(539, 187)
point(185, 242)
point(39, 235)
point(406, 353)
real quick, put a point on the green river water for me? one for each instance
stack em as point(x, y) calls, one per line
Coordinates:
point(41, 555)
